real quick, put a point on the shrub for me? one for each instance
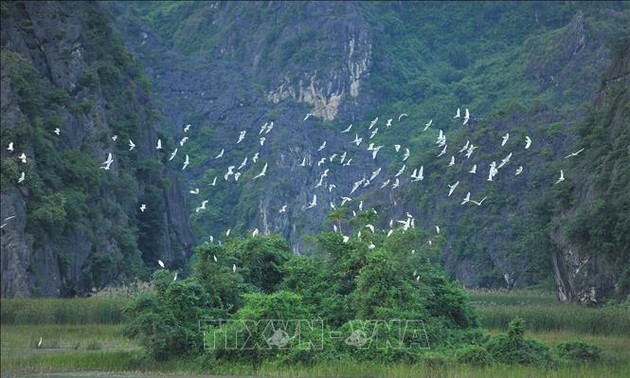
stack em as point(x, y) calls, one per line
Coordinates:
point(512, 348)
point(579, 351)
point(475, 355)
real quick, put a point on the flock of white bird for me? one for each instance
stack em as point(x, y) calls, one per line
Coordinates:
point(325, 161)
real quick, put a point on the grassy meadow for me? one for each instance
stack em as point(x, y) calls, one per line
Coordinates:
point(86, 334)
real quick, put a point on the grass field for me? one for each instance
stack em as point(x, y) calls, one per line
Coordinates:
point(86, 335)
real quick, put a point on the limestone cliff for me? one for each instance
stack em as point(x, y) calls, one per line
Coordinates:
point(70, 96)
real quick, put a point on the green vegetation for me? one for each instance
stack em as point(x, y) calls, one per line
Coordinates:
point(99, 345)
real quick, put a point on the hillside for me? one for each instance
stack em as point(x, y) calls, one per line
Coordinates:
point(72, 96)
point(270, 87)
point(521, 68)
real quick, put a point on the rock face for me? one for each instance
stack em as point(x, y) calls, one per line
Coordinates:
point(591, 260)
point(68, 86)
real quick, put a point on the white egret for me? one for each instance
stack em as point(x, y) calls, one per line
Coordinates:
point(214, 181)
point(22, 178)
point(528, 142)
point(519, 170)
point(452, 188)
point(241, 136)
point(576, 153)
point(347, 130)
point(57, 131)
point(505, 139)
point(220, 153)
point(131, 145)
point(473, 170)
point(159, 144)
point(143, 207)
point(427, 125)
point(187, 127)
point(186, 162)
point(172, 155)
point(283, 209)
point(322, 146)
point(107, 162)
point(160, 263)
point(480, 202)
point(466, 199)
point(313, 202)
point(561, 178)
point(458, 114)
point(194, 191)
point(402, 115)
point(10, 148)
point(22, 157)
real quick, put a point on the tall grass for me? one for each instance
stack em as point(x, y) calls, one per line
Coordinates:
point(102, 310)
point(594, 321)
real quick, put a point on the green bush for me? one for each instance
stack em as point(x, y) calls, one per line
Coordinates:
point(513, 349)
point(475, 355)
point(579, 351)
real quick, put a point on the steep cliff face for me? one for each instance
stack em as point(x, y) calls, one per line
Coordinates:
point(526, 69)
point(591, 262)
point(71, 95)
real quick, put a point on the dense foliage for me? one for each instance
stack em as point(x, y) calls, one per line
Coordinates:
point(386, 292)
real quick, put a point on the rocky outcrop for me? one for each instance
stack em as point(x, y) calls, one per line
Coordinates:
point(71, 95)
point(591, 261)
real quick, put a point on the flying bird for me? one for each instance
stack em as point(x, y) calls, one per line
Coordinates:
point(473, 170)
point(10, 148)
point(186, 162)
point(283, 209)
point(458, 114)
point(241, 136)
point(347, 130)
point(519, 170)
point(159, 144)
point(561, 178)
point(131, 145)
point(172, 155)
point(143, 207)
point(22, 178)
point(480, 202)
point(323, 145)
point(528, 142)
point(466, 117)
point(576, 153)
point(194, 191)
point(107, 162)
point(427, 125)
point(160, 263)
point(313, 202)
point(22, 158)
point(57, 131)
point(202, 207)
point(505, 139)
point(186, 128)
point(402, 115)
point(452, 188)
point(183, 140)
point(466, 199)
point(220, 153)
